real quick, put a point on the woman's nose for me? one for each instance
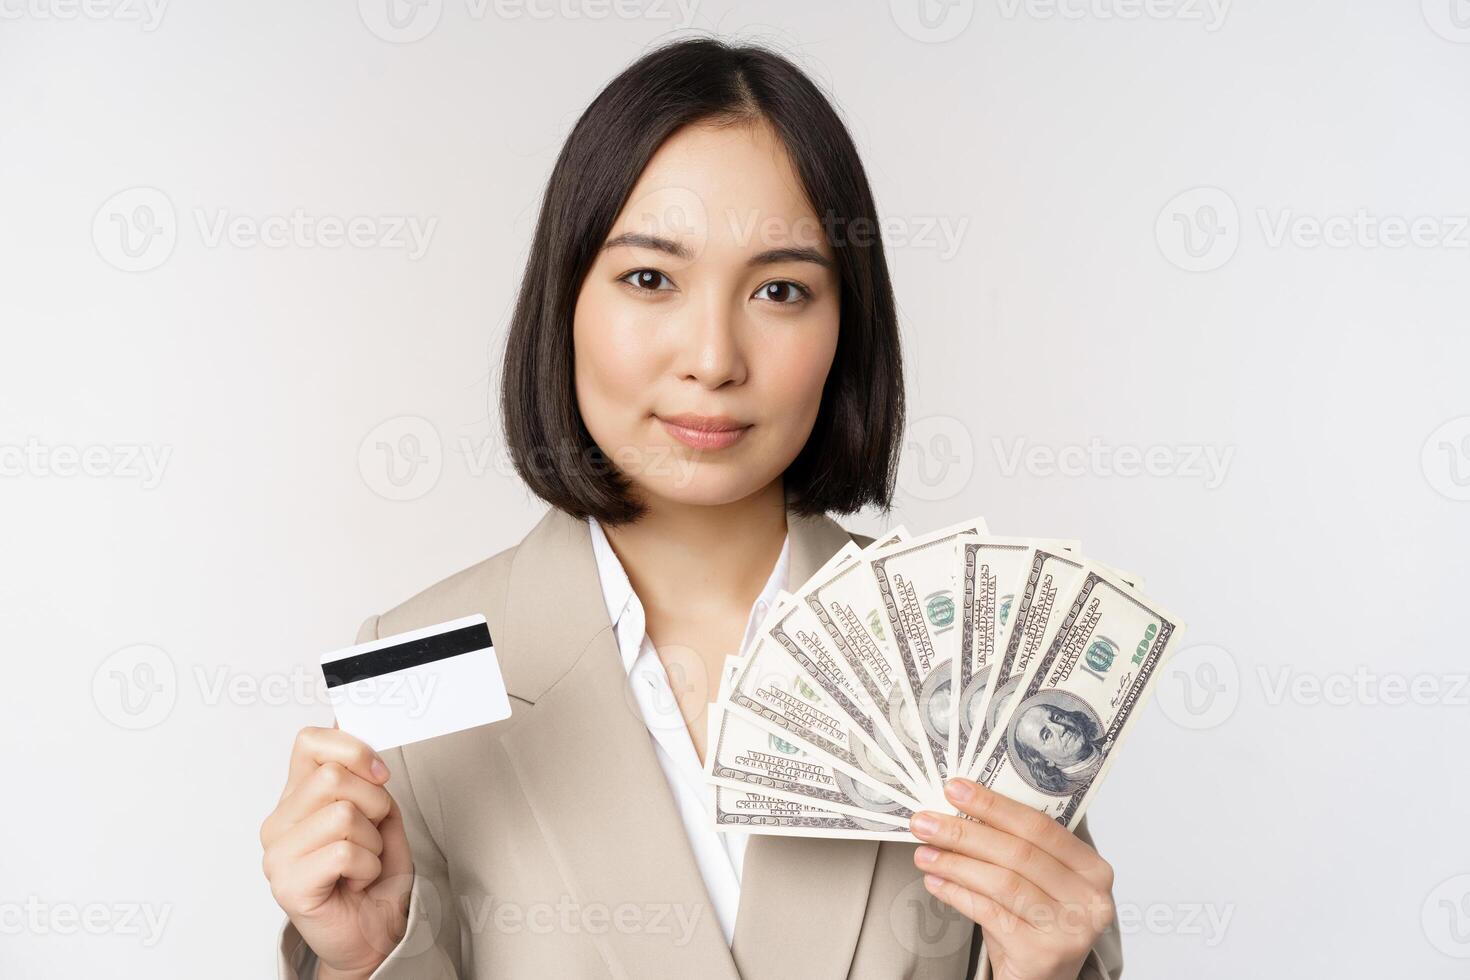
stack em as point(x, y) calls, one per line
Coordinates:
point(710, 347)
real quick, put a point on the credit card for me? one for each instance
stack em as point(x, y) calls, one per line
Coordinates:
point(422, 684)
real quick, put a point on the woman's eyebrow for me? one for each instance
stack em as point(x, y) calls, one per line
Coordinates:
point(633, 239)
point(658, 243)
point(795, 254)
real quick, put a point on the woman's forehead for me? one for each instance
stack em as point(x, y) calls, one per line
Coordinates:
point(724, 191)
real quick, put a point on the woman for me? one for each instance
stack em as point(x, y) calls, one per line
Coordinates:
point(703, 362)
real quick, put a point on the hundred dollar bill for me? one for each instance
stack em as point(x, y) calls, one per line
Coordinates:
point(745, 754)
point(916, 590)
point(783, 695)
point(842, 616)
point(1080, 700)
point(760, 813)
point(1050, 578)
point(990, 573)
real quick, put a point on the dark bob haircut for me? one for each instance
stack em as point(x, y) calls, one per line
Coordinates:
point(851, 457)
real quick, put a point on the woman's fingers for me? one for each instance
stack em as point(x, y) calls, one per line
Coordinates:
point(997, 847)
point(1003, 886)
point(396, 856)
point(339, 820)
point(993, 918)
point(305, 883)
point(314, 747)
point(328, 784)
point(1031, 825)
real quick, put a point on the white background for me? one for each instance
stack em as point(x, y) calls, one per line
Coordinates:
point(1283, 808)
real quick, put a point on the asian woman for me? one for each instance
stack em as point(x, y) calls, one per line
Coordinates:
point(703, 363)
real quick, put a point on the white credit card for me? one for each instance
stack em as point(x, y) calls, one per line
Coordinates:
point(417, 685)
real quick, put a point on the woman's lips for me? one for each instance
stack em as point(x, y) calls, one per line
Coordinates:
point(720, 435)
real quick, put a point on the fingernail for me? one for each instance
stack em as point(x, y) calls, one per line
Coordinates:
point(960, 790)
point(924, 824)
point(926, 854)
point(933, 881)
point(379, 770)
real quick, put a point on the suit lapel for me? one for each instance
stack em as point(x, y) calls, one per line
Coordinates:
point(803, 899)
point(589, 771)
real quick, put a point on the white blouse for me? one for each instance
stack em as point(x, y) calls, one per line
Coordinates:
point(718, 856)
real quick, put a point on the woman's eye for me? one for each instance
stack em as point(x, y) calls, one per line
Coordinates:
point(782, 291)
point(648, 279)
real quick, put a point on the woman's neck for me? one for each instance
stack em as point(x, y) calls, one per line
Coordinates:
point(703, 556)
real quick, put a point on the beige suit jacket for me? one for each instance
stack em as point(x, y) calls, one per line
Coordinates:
point(548, 844)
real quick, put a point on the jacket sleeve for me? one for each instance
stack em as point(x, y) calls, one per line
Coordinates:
point(430, 948)
point(1104, 961)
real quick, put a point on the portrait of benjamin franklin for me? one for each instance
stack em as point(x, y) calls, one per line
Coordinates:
point(1055, 741)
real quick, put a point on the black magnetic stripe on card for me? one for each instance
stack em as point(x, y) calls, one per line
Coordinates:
point(414, 653)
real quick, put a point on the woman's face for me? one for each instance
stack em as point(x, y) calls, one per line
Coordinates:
point(705, 329)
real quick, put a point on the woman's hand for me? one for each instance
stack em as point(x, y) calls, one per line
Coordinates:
point(1040, 894)
point(336, 854)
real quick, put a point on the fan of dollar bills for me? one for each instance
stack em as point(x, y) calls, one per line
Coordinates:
point(1015, 662)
